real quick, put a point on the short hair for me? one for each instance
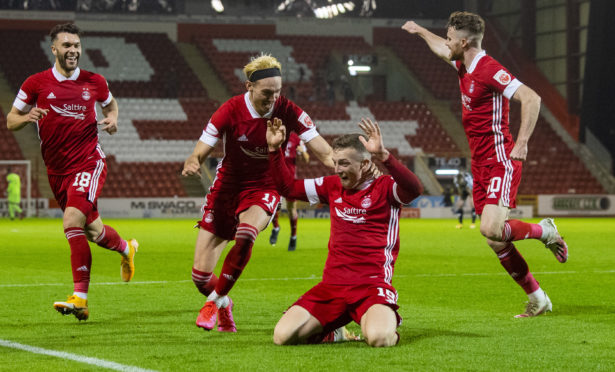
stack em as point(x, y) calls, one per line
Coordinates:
point(69, 27)
point(466, 21)
point(351, 141)
point(261, 62)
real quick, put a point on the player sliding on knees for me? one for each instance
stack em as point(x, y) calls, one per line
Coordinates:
point(363, 244)
point(486, 88)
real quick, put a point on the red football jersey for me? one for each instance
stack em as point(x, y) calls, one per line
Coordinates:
point(69, 132)
point(246, 159)
point(364, 240)
point(486, 88)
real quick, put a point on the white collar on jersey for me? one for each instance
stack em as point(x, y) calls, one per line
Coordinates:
point(60, 77)
point(477, 58)
point(256, 115)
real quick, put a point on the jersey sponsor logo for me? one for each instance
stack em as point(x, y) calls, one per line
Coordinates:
point(242, 138)
point(22, 95)
point(465, 101)
point(351, 214)
point(66, 111)
point(260, 153)
point(51, 96)
point(502, 77)
point(366, 202)
point(211, 129)
point(86, 95)
point(306, 120)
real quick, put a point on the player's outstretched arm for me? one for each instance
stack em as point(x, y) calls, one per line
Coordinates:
point(16, 119)
point(192, 165)
point(434, 42)
point(409, 186)
point(530, 108)
point(284, 180)
point(110, 112)
point(323, 151)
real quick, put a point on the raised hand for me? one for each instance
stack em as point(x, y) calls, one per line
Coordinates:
point(276, 134)
point(411, 27)
point(374, 143)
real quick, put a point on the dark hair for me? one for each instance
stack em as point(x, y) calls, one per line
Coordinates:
point(69, 27)
point(350, 141)
point(473, 23)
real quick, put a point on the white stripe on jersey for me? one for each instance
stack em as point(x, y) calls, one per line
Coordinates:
point(310, 191)
point(395, 193)
point(392, 234)
point(94, 183)
point(505, 197)
point(496, 127)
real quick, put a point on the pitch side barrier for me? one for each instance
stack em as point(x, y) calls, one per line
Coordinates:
point(422, 207)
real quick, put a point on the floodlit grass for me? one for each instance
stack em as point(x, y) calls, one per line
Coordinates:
point(456, 301)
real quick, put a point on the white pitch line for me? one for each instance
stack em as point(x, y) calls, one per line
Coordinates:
point(77, 358)
point(443, 275)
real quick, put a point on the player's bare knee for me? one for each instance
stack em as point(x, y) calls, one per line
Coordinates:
point(380, 338)
point(283, 337)
point(491, 231)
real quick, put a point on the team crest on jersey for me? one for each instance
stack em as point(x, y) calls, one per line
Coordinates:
point(319, 181)
point(306, 120)
point(209, 217)
point(366, 202)
point(86, 95)
point(502, 77)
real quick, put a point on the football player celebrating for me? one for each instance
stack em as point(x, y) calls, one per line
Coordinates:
point(363, 244)
point(486, 88)
point(62, 103)
point(243, 197)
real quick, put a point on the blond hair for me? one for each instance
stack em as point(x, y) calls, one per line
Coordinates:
point(260, 63)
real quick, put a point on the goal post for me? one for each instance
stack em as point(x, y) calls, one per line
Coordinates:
point(23, 168)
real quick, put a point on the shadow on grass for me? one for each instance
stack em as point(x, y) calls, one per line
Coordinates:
point(415, 335)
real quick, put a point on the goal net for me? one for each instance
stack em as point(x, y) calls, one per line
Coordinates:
point(24, 170)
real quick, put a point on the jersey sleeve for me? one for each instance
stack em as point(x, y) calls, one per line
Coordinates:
point(310, 190)
point(301, 123)
point(216, 126)
point(27, 95)
point(500, 80)
point(104, 94)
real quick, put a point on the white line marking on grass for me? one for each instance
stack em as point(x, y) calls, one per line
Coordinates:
point(77, 358)
point(441, 275)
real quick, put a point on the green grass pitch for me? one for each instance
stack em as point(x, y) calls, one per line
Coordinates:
point(456, 301)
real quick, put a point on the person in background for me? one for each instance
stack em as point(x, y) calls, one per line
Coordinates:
point(295, 149)
point(13, 194)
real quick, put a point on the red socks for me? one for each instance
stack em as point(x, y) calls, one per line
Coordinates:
point(519, 230)
point(110, 239)
point(80, 258)
point(237, 258)
point(205, 282)
point(517, 268)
